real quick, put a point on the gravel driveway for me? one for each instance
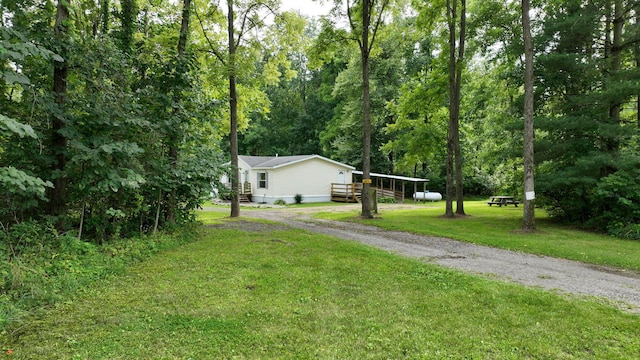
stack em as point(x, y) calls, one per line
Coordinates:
point(621, 287)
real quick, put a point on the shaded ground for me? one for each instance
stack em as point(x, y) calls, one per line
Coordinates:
point(618, 286)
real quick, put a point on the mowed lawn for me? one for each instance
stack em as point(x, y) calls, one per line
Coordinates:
point(249, 290)
point(500, 227)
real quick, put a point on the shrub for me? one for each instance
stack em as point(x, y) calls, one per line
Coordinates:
point(617, 202)
point(387, 200)
point(629, 231)
point(280, 202)
point(298, 198)
point(38, 266)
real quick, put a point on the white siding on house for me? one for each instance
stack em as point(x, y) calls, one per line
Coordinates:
point(310, 176)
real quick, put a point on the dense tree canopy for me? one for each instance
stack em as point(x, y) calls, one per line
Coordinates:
point(116, 115)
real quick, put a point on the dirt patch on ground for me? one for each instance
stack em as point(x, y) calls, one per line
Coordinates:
point(249, 226)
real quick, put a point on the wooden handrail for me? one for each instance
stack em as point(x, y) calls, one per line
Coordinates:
point(243, 188)
point(351, 192)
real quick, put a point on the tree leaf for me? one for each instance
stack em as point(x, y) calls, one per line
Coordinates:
point(10, 126)
point(13, 77)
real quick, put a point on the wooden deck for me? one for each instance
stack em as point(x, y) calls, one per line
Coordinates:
point(244, 191)
point(346, 192)
point(353, 192)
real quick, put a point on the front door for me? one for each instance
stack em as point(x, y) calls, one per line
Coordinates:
point(341, 177)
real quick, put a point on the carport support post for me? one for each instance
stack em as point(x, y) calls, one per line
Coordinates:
point(415, 191)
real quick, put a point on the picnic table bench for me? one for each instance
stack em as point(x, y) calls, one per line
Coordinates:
point(503, 200)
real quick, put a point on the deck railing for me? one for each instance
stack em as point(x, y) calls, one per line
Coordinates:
point(243, 188)
point(346, 192)
point(389, 193)
point(244, 191)
point(353, 192)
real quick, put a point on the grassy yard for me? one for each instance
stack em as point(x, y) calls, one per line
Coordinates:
point(498, 227)
point(288, 294)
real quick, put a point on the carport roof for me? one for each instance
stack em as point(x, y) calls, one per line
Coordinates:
point(395, 177)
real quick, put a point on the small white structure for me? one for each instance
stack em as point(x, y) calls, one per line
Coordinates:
point(283, 177)
point(427, 196)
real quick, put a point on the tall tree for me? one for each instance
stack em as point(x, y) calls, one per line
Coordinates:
point(456, 62)
point(58, 194)
point(585, 84)
point(242, 22)
point(233, 111)
point(636, 54)
point(175, 134)
point(366, 27)
point(529, 188)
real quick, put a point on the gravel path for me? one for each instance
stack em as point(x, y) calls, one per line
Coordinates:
point(621, 287)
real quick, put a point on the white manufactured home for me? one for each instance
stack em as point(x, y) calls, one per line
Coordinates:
point(266, 179)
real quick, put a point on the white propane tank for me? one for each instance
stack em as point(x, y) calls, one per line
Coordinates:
point(427, 196)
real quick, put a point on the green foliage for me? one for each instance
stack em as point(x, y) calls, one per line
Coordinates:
point(22, 190)
point(387, 200)
point(587, 163)
point(298, 198)
point(15, 46)
point(39, 266)
point(9, 126)
point(280, 202)
point(617, 200)
point(342, 137)
point(130, 99)
point(15, 182)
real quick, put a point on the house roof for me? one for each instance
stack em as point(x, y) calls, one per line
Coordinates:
point(274, 162)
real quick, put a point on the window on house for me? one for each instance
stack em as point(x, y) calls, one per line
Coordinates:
point(262, 180)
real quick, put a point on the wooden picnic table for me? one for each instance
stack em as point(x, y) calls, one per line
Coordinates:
point(503, 200)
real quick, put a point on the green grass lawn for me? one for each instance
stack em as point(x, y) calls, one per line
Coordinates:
point(498, 227)
point(288, 294)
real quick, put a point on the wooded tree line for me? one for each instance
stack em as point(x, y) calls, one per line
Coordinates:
point(117, 115)
point(123, 136)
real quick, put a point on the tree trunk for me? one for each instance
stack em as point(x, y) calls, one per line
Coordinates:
point(529, 133)
point(58, 195)
point(449, 187)
point(616, 64)
point(454, 181)
point(104, 14)
point(366, 113)
point(233, 110)
point(184, 26)
point(636, 55)
point(145, 30)
point(456, 134)
point(174, 139)
point(129, 14)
